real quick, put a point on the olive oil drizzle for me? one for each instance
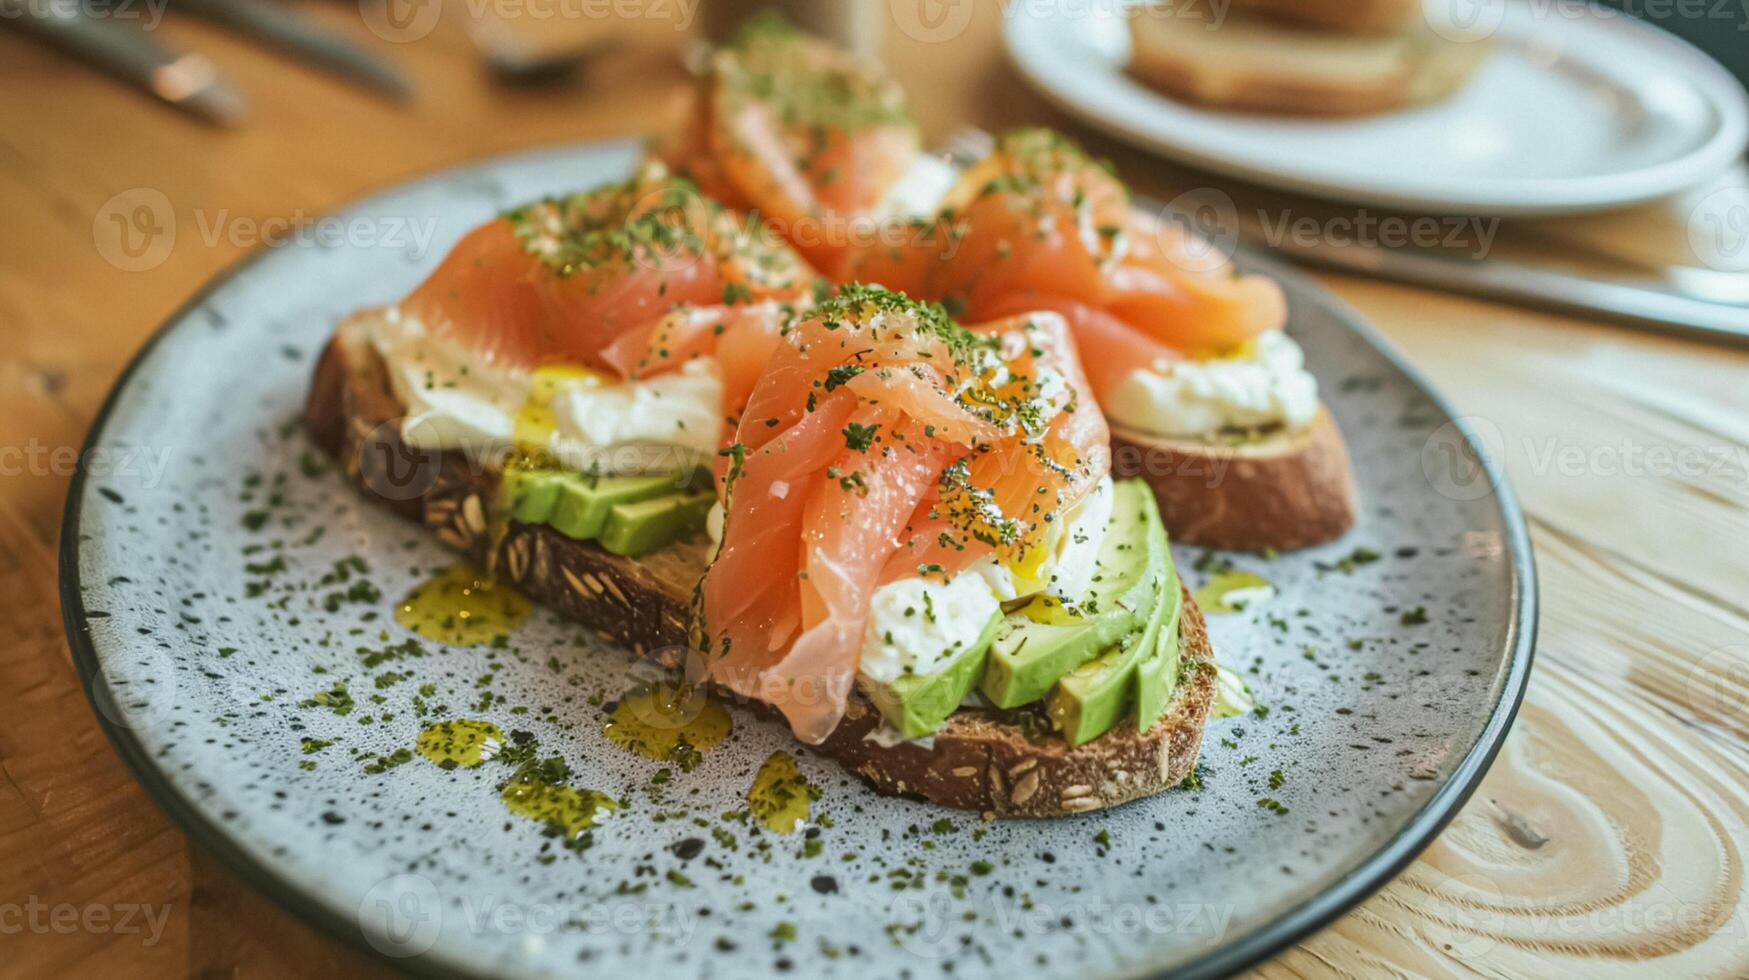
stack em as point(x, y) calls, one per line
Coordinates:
point(461, 607)
point(463, 743)
point(780, 796)
point(539, 789)
point(669, 723)
point(1217, 595)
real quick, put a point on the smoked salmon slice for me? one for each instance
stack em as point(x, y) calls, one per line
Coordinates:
point(801, 132)
point(884, 440)
point(1039, 225)
point(630, 279)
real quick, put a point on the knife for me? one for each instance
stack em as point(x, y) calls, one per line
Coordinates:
point(1505, 281)
point(277, 27)
point(122, 50)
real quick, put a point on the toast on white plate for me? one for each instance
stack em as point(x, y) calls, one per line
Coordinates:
point(1261, 63)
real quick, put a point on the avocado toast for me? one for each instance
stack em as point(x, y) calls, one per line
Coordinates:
point(1057, 726)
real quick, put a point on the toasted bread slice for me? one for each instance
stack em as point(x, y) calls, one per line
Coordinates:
point(1345, 16)
point(1289, 489)
point(1262, 64)
point(991, 761)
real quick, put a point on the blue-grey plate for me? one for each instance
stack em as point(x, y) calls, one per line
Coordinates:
point(211, 581)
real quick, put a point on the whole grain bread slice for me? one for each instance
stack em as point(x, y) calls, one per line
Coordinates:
point(1002, 764)
point(1289, 489)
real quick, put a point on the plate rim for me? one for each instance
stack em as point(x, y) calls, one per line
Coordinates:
point(1597, 192)
point(1372, 873)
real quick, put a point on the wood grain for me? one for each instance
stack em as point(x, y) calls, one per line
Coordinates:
point(1606, 840)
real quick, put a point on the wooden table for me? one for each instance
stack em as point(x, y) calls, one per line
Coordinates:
point(1609, 837)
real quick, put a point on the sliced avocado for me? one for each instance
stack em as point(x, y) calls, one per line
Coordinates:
point(917, 704)
point(528, 496)
point(1157, 674)
point(1039, 644)
point(642, 526)
point(1090, 699)
point(584, 503)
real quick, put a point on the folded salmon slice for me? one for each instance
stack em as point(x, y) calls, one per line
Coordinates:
point(1039, 225)
point(884, 441)
point(791, 127)
point(630, 279)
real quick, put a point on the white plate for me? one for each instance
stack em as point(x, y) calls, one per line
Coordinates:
point(1576, 110)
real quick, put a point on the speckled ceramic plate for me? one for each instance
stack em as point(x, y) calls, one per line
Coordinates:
point(218, 577)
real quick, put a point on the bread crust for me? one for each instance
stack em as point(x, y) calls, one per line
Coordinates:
point(1287, 490)
point(980, 760)
point(1262, 61)
point(1346, 16)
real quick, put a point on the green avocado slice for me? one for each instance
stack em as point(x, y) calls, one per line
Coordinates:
point(1038, 645)
point(1157, 674)
point(640, 527)
point(584, 504)
point(629, 515)
point(1088, 700)
point(529, 496)
point(917, 704)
